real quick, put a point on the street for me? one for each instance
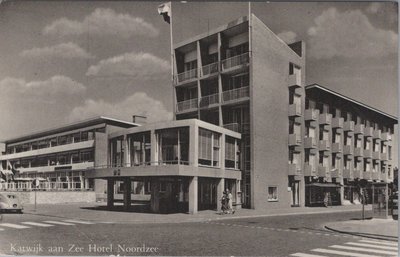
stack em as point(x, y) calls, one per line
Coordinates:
point(35, 234)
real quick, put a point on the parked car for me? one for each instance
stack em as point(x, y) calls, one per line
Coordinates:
point(394, 206)
point(10, 202)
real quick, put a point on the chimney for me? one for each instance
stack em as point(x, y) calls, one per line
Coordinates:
point(139, 119)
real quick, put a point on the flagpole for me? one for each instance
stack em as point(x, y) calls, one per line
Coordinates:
point(172, 60)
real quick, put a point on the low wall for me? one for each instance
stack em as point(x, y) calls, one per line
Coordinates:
point(55, 197)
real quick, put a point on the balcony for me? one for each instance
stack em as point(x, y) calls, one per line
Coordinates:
point(323, 171)
point(357, 174)
point(294, 80)
point(311, 114)
point(335, 173)
point(377, 134)
point(325, 118)
point(348, 150)
point(368, 132)
point(235, 62)
point(50, 150)
point(347, 173)
point(324, 145)
point(376, 155)
point(368, 153)
point(336, 148)
point(310, 142)
point(233, 126)
point(337, 122)
point(186, 76)
point(309, 170)
point(294, 140)
point(386, 136)
point(367, 175)
point(358, 152)
point(359, 129)
point(348, 126)
point(187, 105)
point(242, 93)
point(294, 110)
point(209, 69)
point(376, 175)
point(209, 100)
point(294, 169)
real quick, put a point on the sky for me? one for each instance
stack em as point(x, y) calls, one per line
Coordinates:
point(64, 61)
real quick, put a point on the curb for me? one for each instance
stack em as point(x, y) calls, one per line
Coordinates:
point(193, 219)
point(366, 235)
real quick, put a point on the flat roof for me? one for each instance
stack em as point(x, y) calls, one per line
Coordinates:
point(351, 100)
point(71, 126)
point(176, 124)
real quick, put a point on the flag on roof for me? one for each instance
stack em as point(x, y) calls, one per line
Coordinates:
point(165, 11)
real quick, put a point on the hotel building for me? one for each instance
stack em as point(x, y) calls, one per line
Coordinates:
point(60, 158)
point(244, 121)
point(298, 142)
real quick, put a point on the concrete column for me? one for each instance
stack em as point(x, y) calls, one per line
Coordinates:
point(110, 193)
point(154, 148)
point(127, 155)
point(238, 200)
point(127, 193)
point(220, 191)
point(193, 195)
point(194, 145)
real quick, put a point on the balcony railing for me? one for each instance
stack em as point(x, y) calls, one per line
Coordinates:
point(348, 126)
point(235, 94)
point(294, 169)
point(386, 136)
point(232, 126)
point(359, 129)
point(347, 173)
point(309, 170)
point(376, 155)
point(368, 132)
point(311, 114)
point(337, 122)
point(294, 140)
point(234, 61)
point(348, 150)
point(336, 148)
point(322, 171)
point(188, 105)
point(325, 118)
point(310, 142)
point(210, 69)
point(208, 100)
point(187, 75)
point(358, 152)
point(324, 145)
point(294, 110)
point(377, 134)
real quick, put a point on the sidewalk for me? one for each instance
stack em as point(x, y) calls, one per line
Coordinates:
point(374, 228)
point(97, 212)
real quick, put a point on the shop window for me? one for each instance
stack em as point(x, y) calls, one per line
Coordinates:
point(272, 193)
point(163, 186)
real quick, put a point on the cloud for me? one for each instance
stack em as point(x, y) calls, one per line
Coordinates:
point(100, 22)
point(288, 36)
point(137, 104)
point(54, 86)
point(374, 7)
point(349, 34)
point(64, 50)
point(139, 65)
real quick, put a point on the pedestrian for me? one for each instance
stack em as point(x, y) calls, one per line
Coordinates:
point(223, 203)
point(230, 201)
point(326, 199)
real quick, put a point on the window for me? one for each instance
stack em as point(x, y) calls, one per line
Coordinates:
point(87, 156)
point(272, 193)
point(163, 186)
point(209, 148)
point(229, 152)
point(191, 65)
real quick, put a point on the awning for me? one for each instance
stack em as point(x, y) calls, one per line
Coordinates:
point(323, 185)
